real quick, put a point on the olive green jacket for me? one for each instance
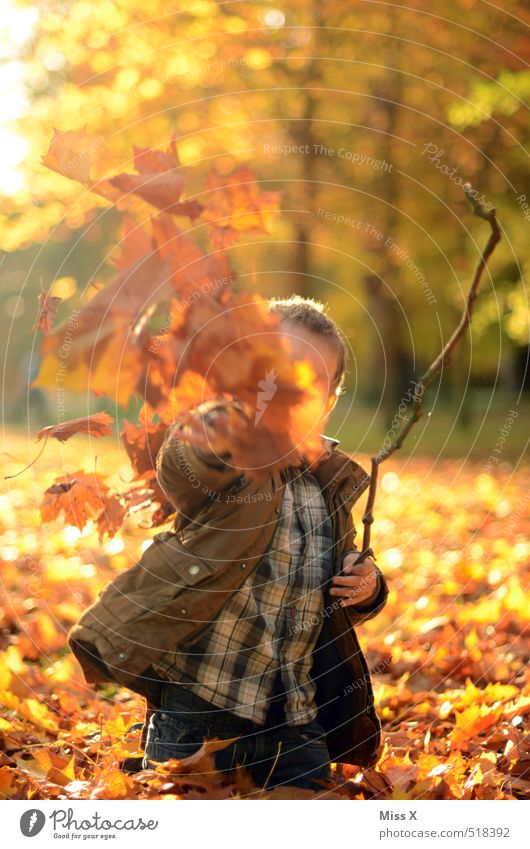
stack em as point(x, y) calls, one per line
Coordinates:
point(224, 524)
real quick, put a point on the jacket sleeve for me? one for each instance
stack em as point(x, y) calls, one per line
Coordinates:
point(188, 476)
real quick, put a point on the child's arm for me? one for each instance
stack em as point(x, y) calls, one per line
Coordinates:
point(188, 475)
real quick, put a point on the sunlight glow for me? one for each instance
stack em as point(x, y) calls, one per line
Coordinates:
point(16, 27)
point(114, 546)
point(71, 534)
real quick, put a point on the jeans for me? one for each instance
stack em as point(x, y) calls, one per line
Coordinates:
point(275, 754)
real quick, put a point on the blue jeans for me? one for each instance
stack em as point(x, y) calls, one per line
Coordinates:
point(275, 753)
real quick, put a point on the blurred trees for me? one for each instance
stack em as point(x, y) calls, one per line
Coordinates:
point(368, 117)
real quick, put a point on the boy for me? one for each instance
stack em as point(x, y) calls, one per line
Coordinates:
point(272, 659)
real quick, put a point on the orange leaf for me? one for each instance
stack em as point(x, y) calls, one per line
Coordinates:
point(235, 206)
point(96, 425)
point(80, 497)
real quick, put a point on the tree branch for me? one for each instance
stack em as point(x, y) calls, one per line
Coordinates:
point(443, 358)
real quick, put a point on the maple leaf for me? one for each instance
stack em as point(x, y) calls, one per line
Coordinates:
point(63, 774)
point(194, 273)
point(142, 443)
point(134, 243)
point(149, 160)
point(104, 332)
point(96, 425)
point(48, 305)
point(472, 721)
point(234, 345)
point(78, 156)
point(74, 154)
point(160, 190)
point(111, 784)
point(160, 181)
point(110, 520)
point(191, 389)
point(235, 205)
point(399, 771)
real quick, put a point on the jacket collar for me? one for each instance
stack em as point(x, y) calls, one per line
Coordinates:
point(330, 444)
point(339, 471)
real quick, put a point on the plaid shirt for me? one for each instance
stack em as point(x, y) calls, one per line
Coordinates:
point(268, 628)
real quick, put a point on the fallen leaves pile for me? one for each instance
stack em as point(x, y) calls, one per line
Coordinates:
point(449, 653)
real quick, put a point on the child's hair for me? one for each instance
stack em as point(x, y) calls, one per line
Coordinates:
point(311, 315)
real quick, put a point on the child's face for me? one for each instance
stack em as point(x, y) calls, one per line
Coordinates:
point(306, 345)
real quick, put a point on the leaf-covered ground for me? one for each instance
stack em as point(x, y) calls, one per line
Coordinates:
point(449, 654)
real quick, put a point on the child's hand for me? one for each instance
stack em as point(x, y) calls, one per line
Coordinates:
point(356, 584)
point(213, 432)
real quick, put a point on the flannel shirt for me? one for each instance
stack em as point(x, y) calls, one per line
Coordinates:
point(268, 629)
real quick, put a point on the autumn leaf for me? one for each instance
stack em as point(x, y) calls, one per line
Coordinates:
point(249, 346)
point(160, 181)
point(80, 497)
point(110, 520)
point(235, 205)
point(78, 156)
point(472, 721)
point(48, 708)
point(399, 771)
point(142, 443)
point(48, 305)
point(134, 243)
point(104, 331)
point(64, 774)
point(97, 425)
point(195, 274)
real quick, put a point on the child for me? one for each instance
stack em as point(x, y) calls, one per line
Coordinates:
point(239, 624)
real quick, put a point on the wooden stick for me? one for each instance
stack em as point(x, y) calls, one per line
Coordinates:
point(443, 358)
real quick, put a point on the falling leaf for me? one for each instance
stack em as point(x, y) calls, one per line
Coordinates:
point(96, 425)
point(235, 205)
point(79, 497)
point(48, 305)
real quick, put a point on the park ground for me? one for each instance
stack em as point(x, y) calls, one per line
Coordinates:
point(448, 654)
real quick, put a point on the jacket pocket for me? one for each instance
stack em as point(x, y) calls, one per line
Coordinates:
point(149, 589)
